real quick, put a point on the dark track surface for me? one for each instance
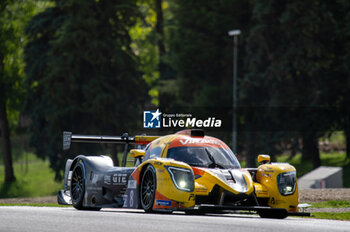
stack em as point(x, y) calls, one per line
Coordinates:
point(16, 218)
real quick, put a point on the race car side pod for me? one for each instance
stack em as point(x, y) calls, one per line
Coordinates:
point(68, 138)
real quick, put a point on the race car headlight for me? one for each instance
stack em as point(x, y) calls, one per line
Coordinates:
point(182, 178)
point(286, 183)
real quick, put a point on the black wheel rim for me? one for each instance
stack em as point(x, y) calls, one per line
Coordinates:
point(147, 189)
point(77, 190)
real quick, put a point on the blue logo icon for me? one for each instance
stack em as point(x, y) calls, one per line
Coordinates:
point(151, 119)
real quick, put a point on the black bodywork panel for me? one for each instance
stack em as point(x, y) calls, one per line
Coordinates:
point(105, 185)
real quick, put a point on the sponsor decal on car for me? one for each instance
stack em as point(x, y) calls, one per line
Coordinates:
point(119, 179)
point(125, 199)
point(132, 184)
point(191, 197)
point(163, 203)
point(192, 140)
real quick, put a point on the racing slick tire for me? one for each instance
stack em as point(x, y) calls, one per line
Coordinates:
point(78, 187)
point(148, 189)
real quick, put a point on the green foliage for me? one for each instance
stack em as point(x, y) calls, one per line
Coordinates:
point(334, 216)
point(201, 51)
point(292, 59)
point(331, 204)
point(13, 18)
point(34, 180)
point(144, 46)
point(21, 151)
point(36, 205)
point(91, 66)
point(82, 74)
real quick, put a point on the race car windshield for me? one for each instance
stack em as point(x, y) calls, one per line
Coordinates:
point(208, 157)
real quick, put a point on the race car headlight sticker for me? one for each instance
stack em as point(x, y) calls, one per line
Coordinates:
point(286, 183)
point(182, 178)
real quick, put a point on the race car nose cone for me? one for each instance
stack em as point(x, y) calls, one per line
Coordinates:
point(239, 184)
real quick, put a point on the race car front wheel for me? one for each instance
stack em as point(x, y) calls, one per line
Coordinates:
point(148, 189)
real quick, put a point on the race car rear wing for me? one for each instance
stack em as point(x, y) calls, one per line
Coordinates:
point(69, 137)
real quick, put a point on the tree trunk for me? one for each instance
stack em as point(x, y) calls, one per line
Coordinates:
point(6, 143)
point(4, 128)
point(310, 151)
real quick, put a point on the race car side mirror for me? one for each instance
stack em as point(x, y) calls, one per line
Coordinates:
point(137, 153)
point(264, 159)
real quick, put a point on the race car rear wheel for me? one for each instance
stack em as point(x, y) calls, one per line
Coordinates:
point(78, 186)
point(148, 189)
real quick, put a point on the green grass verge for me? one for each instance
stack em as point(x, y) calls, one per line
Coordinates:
point(34, 179)
point(331, 204)
point(334, 216)
point(36, 205)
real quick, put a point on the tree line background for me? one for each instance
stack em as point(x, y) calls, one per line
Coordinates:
point(93, 66)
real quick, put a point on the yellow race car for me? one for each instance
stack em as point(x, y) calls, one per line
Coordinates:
point(186, 171)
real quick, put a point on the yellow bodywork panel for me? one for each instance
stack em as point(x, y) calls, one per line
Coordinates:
point(165, 184)
point(135, 153)
point(209, 179)
point(200, 189)
point(261, 190)
point(267, 186)
point(264, 158)
point(144, 139)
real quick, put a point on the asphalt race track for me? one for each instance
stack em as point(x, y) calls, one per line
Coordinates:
point(17, 218)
